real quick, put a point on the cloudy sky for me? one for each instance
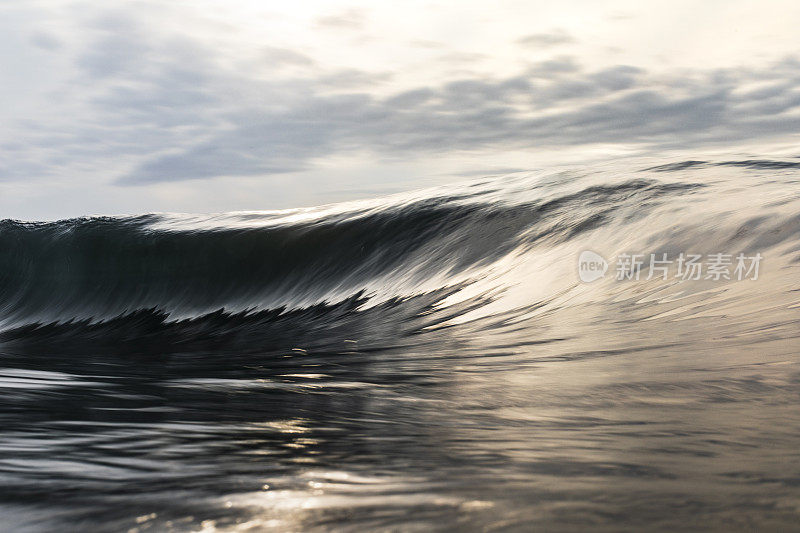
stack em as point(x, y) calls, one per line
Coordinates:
point(204, 106)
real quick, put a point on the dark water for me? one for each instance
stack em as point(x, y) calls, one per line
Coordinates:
point(423, 362)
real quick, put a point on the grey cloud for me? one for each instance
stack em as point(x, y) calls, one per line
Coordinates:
point(45, 41)
point(455, 58)
point(131, 95)
point(594, 84)
point(616, 78)
point(497, 171)
point(210, 161)
point(410, 99)
point(165, 109)
point(352, 19)
point(611, 105)
point(423, 43)
point(546, 40)
point(257, 142)
point(278, 57)
point(121, 46)
point(351, 78)
point(112, 57)
point(552, 67)
point(644, 116)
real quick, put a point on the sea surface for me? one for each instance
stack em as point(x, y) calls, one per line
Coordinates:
point(428, 361)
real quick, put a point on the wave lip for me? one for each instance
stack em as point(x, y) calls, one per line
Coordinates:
point(756, 164)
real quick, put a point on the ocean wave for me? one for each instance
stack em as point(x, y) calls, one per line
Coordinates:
point(158, 276)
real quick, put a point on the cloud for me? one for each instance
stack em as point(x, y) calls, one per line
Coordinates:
point(278, 57)
point(121, 47)
point(546, 40)
point(552, 67)
point(45, 41)
point(351, 19)
point(145, 107)
point(610, 105)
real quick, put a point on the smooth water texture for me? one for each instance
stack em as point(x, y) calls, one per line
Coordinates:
point(422, 362)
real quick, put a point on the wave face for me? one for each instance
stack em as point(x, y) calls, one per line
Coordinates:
point(99, 268)
point(426, 360)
